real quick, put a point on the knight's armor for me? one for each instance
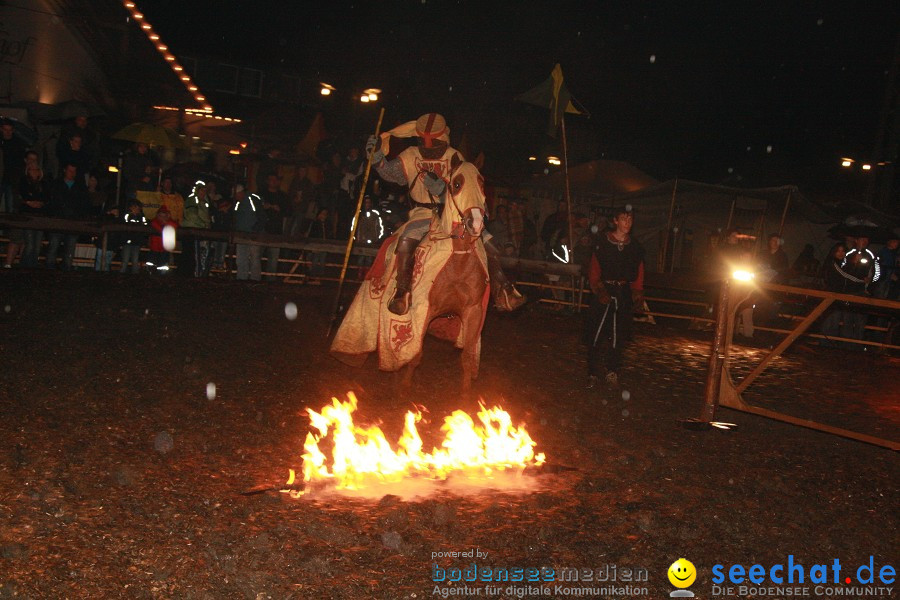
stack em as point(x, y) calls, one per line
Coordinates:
point(426, 168)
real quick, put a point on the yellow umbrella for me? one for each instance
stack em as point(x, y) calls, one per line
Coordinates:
point(150, 134)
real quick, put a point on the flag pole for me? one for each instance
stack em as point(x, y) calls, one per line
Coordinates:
point(562, 122)
point(359, 203)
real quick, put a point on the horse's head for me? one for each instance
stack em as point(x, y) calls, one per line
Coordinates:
point(464, 208)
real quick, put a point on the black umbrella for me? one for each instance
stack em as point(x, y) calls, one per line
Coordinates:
point(22, 131)
point(862, 227)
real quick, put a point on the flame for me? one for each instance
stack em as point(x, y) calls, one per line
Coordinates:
point(362, 455)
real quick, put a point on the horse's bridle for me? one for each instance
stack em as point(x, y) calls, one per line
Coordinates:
point(468, 225)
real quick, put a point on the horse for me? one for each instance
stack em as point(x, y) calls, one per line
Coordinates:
point(450, 290)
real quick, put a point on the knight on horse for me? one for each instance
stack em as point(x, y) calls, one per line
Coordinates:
point(425, 167)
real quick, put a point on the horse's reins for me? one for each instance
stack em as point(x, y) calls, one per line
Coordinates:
point(462, 219)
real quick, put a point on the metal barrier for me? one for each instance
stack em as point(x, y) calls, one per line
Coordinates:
point(696, 310)
point(721, 390)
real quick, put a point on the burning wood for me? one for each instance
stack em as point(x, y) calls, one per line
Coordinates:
point(362, 456)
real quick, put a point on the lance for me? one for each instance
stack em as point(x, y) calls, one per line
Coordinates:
point(359, 203)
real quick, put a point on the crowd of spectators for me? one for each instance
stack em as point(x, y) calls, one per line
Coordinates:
point(302, 200)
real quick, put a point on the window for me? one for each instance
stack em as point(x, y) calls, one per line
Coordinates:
point(226, 78)
point(251, 83)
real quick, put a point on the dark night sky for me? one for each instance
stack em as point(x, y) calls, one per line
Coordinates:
point(674, 88)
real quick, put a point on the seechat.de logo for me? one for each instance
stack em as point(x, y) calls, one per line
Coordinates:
point(682, 574)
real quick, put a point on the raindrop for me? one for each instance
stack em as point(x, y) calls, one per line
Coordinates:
point(290, 311)
point(168, 238)
point(625, 412)
point(210, 391)
point(652, 58)
point(626, 395)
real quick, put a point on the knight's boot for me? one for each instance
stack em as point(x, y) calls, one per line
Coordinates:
point(506, 296)
point(406, 258)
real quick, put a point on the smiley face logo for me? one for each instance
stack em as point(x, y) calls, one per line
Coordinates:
point(682, 573)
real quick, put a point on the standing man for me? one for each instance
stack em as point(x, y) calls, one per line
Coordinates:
point(249, 217)
point(277, 209)
point(425, 168)
point(12, 153)
point(617, 279)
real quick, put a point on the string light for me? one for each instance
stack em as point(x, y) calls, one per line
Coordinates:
point(177, 68)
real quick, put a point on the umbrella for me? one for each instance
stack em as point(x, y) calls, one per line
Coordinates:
point(862, 227)
point(152, 135)
point(68, 110)
point(22, 131)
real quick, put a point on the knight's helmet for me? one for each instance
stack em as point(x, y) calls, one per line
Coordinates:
point(432, 128)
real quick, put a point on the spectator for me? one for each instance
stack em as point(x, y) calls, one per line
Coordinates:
point(333, 173)
point(138, 162)
point(775, 260)
point(99, 209)
point(13, 153)
point(249, 217)
point(89, 140)
point(68, 199)
point(861, 269)
point(171, 199)
point(277, 209)
point(159, 255)
point(303, 200)
point(552, 224)
point(131, 242)
point(33, 190)
point(836, 280)
point(806, 266)
point(72, 153)
point(196, 216)
point(221, 220)
point(319, 229)
point(500, 226)
point(886, 287)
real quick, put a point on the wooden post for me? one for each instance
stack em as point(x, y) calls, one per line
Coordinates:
point(665, 253)
point(716, 355)
point(787, 203)
point(562, 122)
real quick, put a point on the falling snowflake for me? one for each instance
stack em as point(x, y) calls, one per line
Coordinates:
point(168, 238)
point(290, 311)
point(652, 59)
point(626, 395)
point(769, 149)
point(210, 391)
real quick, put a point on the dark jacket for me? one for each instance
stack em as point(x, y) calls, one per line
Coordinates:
point(69, 201)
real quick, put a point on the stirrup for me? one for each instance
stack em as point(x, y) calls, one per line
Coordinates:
point(508, 299)
point(399, 304)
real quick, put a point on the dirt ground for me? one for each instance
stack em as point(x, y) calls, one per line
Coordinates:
point(120, 477)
